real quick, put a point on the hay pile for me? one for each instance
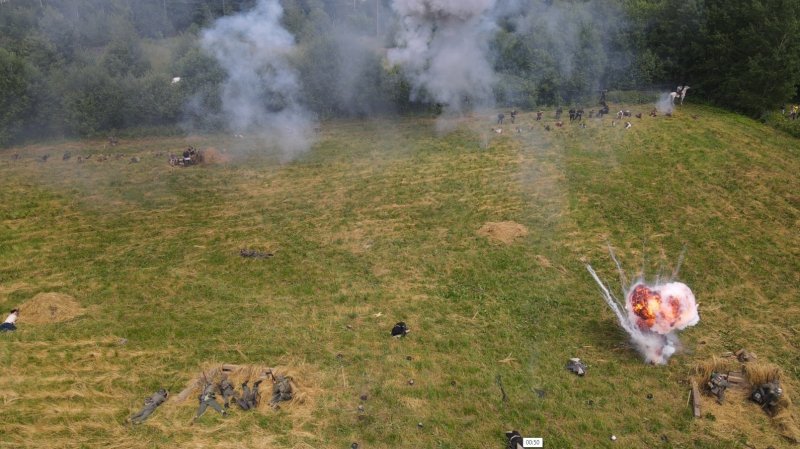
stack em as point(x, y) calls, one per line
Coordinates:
point(49, 308)
point(238, 374)
point(738, 412)
point(503, 232)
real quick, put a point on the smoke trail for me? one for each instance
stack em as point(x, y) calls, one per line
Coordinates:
point(652, 314)
point(261, 94)
point(444, 49)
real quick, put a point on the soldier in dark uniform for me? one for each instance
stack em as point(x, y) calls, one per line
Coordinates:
point(717, 385)
point(281, 390)
point(207, 399)
point(513, 116)
point(572, 114)
point(768, 396)
point(226, 390)
point(150, 405)
point(250, 396)
point(559, 111)
point(500, 118)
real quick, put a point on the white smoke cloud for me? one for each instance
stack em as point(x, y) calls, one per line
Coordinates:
point(261, 94)
point(443, 45)
point(665, 104)
point(653, 314)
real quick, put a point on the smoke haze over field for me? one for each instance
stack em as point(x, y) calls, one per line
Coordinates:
point(261, 93)
point(444, 49)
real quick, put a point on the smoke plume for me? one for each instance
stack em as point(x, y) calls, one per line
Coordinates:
point(664, 104)
point(652, 314)
point(261, 94)
point(443, 46)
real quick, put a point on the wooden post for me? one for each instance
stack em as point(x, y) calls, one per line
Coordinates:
point(695, 399)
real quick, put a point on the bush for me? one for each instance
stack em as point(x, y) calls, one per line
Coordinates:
point(782, 123)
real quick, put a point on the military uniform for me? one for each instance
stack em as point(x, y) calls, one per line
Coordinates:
point(717, 384)
point(281, 391)
point(208, 399)
point(249, 398)
point(768, 396)
point(227, 391)
point(150, 405)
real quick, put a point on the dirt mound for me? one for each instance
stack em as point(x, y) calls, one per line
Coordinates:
point(504, 231)
point(214, 156)
point(241, 373)
point(49, 308)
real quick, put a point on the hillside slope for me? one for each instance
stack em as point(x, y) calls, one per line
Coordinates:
point(380, 223)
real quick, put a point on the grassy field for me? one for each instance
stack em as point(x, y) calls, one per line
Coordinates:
point(377, 224)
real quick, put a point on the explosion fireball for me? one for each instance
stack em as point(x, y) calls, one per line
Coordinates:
point(655, 313)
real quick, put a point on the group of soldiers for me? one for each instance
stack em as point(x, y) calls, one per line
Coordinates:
point(501, 117)
point(248, 399)
point(767, 395)
point(191, 156)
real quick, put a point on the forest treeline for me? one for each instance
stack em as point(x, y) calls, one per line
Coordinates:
point(90, 67)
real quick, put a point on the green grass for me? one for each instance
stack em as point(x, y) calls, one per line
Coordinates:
point(381, 217)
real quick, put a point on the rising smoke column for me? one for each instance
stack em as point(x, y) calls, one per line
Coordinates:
point(261, 93)
point(443, 45)
point(652, 314)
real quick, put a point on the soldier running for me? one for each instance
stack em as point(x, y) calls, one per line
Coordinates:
point(150, 405)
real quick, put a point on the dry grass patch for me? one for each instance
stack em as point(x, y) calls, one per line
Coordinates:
point(50, 307)
point(737, 413)
point(504, 232)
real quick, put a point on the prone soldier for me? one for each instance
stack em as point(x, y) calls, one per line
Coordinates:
point(249, 398)
point(150, 405)
point(281, 390)
point(207, 399)
point(226, 390)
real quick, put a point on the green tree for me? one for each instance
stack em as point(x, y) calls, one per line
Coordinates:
point(750, 58)
point(15, 99)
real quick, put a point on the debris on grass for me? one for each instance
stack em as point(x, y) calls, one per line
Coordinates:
point(254, 254)
point(576, 366)
point(515, 440)
point(400, 330)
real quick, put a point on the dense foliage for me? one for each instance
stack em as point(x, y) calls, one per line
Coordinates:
point(87, 67)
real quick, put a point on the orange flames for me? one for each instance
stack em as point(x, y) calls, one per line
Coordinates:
point(647, 304)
